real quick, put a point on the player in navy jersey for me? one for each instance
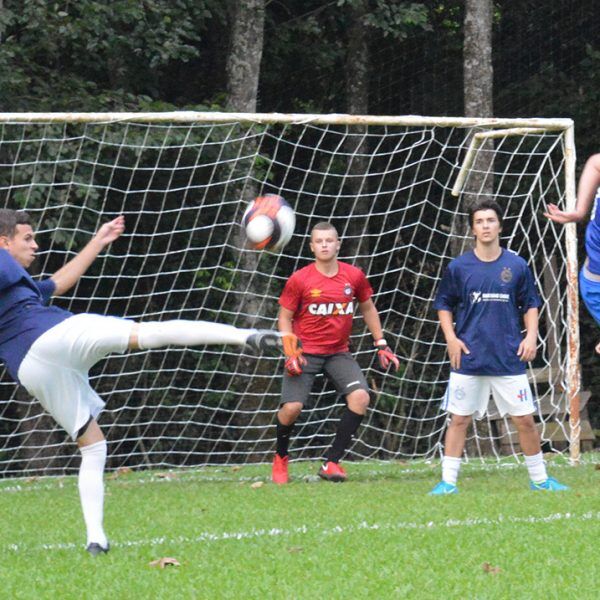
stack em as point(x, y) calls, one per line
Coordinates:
point(588, 196)
point(483, 298)
point(317, 305)
point(50, 351)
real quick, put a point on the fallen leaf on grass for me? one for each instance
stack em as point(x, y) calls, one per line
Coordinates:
point(257, 484)
point(165, 561)
point(295, 549)
point(120, 472)
point(311, 479)
point(488, 568)
point(597, 467)
point(235, 468)
point(166, 476)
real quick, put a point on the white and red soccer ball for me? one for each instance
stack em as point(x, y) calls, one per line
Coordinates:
point(269, 223)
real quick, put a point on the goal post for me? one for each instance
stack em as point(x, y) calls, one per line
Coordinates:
point(182, 179)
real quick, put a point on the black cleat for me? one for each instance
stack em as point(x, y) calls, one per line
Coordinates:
point(95, 549)
point(264, 340)
point(267, 340)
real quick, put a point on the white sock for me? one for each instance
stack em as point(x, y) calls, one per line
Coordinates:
point(91, 490)
point(450, 468)
point(536, 467)
point(189, 333)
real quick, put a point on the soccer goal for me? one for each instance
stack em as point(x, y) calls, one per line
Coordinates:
point(398, 190)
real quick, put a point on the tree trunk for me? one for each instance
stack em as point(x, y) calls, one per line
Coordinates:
point(478, 72)
point(478, 98)
point(243, 72)
point(243, 64)
point(355, 146)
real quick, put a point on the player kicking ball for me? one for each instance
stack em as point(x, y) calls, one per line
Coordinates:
point(317, 305)
point(50, 351)
point(488, 292)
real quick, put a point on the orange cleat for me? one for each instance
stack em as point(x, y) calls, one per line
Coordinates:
point(279, 473)
point(331, 471)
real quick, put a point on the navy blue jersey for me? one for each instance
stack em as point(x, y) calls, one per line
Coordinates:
point(487, 300)
point(592, 238)
point(24, 315)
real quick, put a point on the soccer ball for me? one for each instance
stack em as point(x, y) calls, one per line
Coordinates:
point(269, 223)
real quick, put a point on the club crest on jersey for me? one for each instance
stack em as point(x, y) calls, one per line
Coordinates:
point(347, 290)
point(506, 275)
point(326, 309)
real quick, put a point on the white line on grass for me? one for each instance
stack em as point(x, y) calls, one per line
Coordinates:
point(207, 536)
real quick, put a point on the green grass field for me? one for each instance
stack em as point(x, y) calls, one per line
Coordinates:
point(379, 535)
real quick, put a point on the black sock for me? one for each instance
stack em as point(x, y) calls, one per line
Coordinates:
point(347, 427)
point(283, 438)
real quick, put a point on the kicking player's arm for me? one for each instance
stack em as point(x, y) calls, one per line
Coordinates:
point(68, 275)
point(589, 181)
point(373, 322)
point(455, 345)
point(528, 346)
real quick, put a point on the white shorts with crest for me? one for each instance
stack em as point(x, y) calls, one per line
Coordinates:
point(469, 395)
point(55, 370)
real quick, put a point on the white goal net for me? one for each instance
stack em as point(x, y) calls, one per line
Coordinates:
point(182, 181)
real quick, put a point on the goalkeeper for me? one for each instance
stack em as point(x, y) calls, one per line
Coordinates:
point(317, 305)
point(50, 350)
point(488, 291)
point(587, 195)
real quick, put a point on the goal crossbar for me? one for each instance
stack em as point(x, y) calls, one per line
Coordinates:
point(294, 118)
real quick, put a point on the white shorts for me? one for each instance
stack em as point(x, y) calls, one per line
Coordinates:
point(55, 370)
point(469, 395)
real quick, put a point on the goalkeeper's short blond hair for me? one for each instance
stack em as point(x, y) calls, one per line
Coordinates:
point(324, 226)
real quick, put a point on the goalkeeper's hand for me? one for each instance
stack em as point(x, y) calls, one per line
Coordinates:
point(292, 348)
point(294, 364)
point(385, 355)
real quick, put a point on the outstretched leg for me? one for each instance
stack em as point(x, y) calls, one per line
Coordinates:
point(195, 333)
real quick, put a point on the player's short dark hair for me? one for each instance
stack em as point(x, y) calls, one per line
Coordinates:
point(9, 219)
point(324, 226)
point(485, 205)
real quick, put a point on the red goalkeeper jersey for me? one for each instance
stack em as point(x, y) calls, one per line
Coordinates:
point(324, 306)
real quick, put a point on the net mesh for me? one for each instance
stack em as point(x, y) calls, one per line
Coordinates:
point(183, 187)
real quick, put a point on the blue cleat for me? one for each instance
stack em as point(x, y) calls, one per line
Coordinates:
point(443, 488)
point(550, 485)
